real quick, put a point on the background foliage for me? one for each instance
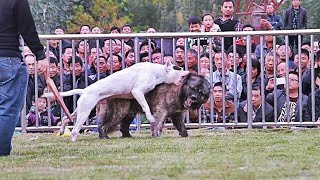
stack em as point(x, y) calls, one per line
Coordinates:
point(164, 15)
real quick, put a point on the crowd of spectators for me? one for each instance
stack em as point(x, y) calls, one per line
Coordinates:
point(92, 60)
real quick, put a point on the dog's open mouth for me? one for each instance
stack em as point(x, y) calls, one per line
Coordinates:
point(188, 103)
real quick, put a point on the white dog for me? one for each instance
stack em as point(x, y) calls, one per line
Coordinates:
point(134, 82)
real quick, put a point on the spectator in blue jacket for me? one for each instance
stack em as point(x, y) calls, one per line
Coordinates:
point(275, 20)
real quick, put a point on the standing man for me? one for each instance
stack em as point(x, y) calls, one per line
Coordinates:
point(227, 22)
point(295, 18)
point(15, 21)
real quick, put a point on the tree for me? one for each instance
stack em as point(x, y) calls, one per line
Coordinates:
point(47, 14)
point(102, 13)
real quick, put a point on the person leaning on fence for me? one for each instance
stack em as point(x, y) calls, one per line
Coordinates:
point(305, 70)
point(15, 21)
point(256, 79)
point(30, 61)
point(230, 77)
point(308, 113)
point(43, 114)
point(217, 92)
point(293, 104)
point(256, 108)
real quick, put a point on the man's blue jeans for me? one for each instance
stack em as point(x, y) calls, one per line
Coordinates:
point(13, 86)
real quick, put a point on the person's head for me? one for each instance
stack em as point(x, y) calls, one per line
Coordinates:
point(180, 42)
point(42, 103)
point(227, 8)
point(207, 20)
point(281, 70)
point(96, 30)
point(116, 63)
point(53, 67)
point(130, 58)
point(94, 52)
point(238, 56)
point(197, 48)
point(156, 56)
point(59, 31)
point(30, 60)
point(144, 47)
point(218, 57)
point(293, 81)
point(256, 96)
point(248, 27)
point(82, 46)
point(306, 46)
point(77, 65)
point(295, 3)
point(304, 59)
point(106, 47)
point(270, 9)
point(151, 30)
point(85, 29)
point(179, 53)
point(270, 61)
point(116, 48)
point(268, 39)
point(192, 58)
point(167, 57)
point(126, 29)
point(282, 51)
point(256, 68)
point(102, 64)
point(144, 57)
point(205, 61)
point(218, 92)
point(66, 53)
point(194, 24)
point(115, 30)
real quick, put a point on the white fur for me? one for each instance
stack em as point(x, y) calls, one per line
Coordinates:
point(135, 80)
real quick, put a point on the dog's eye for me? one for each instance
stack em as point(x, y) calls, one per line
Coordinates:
point(176, 68)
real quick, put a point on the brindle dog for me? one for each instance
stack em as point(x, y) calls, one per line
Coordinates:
point(166, 101)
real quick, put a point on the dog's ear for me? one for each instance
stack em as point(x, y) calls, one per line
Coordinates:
point(168, 65)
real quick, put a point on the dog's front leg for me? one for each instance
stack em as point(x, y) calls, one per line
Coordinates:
point(178, 122)
point(139, 96)
point(157, 127)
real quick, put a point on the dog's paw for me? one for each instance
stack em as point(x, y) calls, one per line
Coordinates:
point(74, 137)
point(184, 134)
point(151, 118)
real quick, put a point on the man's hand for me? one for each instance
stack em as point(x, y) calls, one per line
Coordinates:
point(265, 24)
point(43, 65)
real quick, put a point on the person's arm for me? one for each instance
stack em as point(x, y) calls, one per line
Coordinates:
point(27, 29)
point(285, 21)
point(242, 115)
point(279, 23)
point(257, 52)
point(305, 20)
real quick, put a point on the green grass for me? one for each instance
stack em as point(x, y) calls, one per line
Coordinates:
point(206, 154)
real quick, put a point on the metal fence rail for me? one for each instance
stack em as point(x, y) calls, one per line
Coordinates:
point(235, 123)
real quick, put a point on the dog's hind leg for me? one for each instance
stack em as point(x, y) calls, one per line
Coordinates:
point(125, 125)
point(85, 104)
point(139, 96)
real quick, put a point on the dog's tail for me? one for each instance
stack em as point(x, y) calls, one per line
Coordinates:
point(63, 94)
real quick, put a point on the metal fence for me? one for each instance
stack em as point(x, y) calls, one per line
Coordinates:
point(164, 38)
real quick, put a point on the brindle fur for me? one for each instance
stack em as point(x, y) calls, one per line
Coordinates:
point(165, 101)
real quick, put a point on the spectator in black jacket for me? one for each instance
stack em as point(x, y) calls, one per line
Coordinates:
point(80, 81)
point(16, 22)
point(295, 18)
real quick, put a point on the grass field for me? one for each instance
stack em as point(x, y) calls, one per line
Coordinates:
point(206, 154)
